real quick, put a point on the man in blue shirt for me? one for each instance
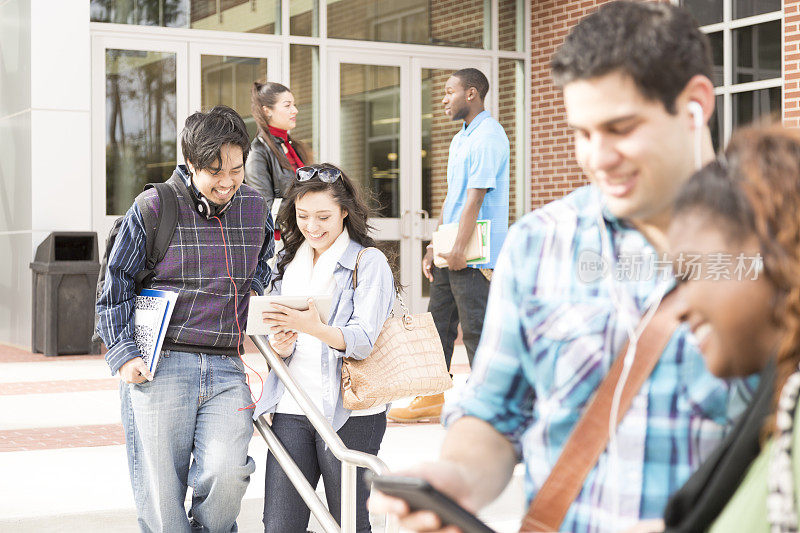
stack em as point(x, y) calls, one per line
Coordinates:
point(477, 189)
point(637, 90)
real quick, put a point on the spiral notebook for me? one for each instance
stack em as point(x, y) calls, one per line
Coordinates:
point(152, 312)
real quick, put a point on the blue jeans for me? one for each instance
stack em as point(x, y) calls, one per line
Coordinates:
point(284, 509)
point(189, 411)
point(458, 296)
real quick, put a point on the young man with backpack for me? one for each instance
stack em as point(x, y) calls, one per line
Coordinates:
point(189, 422)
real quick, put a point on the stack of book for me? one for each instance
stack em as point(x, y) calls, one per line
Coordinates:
point(477, 251)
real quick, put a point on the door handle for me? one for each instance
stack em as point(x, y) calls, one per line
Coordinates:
point(420, 221)
point(405, 231)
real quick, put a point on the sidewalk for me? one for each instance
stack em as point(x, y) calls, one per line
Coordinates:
point(63, 461)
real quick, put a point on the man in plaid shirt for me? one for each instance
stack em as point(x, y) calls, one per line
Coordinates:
point(558, 313)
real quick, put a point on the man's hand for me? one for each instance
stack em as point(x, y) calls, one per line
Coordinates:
point(135, 371)
point(427, 263)
point(456, 260)
point(283, 342)
point(445, 476)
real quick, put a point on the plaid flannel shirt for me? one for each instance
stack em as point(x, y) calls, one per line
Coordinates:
point(550, 335)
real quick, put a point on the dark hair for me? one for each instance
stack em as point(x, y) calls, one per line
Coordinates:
point(204, 134)
point(755, 191)
point(348, 197)
point(711, 191)
point(266, 94)
point(472, 77)
point(658, 45)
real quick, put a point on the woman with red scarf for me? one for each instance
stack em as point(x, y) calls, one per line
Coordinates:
point(274, 155)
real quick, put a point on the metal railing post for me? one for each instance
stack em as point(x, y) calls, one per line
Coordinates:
point(304, 488)
point(351, 459)
point(348, 497)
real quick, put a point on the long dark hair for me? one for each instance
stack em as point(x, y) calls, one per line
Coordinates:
point(266, 94)
point(348, 197)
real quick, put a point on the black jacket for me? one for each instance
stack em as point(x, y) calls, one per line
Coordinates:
point(264, 173)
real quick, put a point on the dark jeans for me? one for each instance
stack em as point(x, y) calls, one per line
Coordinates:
point(284, 509)
point(458, 296)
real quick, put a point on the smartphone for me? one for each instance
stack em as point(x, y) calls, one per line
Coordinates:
point(421, 496)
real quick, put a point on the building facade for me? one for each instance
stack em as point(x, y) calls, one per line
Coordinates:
point(94, 92)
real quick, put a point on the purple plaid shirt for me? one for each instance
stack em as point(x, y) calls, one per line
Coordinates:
point(195, 267)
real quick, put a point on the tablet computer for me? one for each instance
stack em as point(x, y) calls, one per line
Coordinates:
point(421, 496)
point(261, 304)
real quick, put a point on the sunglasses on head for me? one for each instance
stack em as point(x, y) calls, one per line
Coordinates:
point(328, 175)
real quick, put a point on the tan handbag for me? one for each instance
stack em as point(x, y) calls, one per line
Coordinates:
point(406, 360)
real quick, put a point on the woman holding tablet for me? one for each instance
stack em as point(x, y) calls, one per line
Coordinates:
point(323, 221)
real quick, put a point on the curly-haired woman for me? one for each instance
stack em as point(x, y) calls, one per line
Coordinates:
point(741, 216)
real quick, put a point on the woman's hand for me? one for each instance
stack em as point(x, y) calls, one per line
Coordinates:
point(288, 319)
point(283, 342)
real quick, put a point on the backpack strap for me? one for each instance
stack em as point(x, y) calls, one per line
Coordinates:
point(590, 435)
point(158, 231)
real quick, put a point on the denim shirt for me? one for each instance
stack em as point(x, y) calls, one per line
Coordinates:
point(360, 316)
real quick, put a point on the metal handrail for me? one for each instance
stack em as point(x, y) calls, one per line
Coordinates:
point(351, 459)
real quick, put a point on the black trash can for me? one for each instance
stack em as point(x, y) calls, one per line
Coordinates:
point(65, 271)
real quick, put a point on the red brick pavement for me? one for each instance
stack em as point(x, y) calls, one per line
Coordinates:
point(20, 440)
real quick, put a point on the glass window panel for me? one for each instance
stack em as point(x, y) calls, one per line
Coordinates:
point(304, 17)
point(141, 127)
point(249, 16)
point(370, 132)
point(757, 52)
point(752, 105)
point(411, 21)
point(717, 55)
point(226, 80)
point(437, 132)
point(511, 17)
point(304, 83)
point(704, 11)
point(747, 8)
point(511, 96)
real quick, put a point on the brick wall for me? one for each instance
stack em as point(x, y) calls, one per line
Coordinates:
point(553, 167)
point(791, 65)
point(554, 170)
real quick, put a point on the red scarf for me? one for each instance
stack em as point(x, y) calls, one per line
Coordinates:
point(291, 155)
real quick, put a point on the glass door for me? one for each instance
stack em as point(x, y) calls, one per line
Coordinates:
point(368, 137)
point(139, 97)
point(222, 74)
point(142, 91)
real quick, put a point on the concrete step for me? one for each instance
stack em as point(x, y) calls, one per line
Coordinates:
point(87, 488)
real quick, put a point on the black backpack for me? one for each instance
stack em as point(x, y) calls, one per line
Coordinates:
point(158, 234)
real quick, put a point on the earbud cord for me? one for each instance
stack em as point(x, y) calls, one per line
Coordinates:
point(238, 328)
point(633, 340)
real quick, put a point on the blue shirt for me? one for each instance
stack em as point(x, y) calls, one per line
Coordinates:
point(359, 314)
point(478, 159)
point(550, 335)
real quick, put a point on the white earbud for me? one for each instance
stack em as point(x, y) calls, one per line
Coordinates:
point(696, 111)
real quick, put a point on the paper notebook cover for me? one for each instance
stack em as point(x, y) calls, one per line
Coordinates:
point(152, 312)
point(477, 251)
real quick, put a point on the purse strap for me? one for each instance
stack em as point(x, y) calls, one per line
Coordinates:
point(358, 260)
point(590, 435)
